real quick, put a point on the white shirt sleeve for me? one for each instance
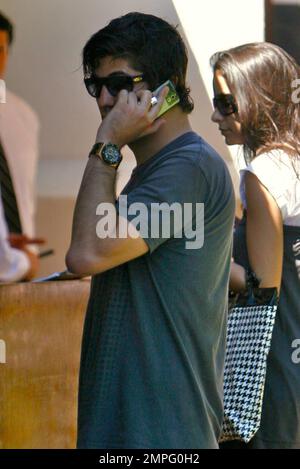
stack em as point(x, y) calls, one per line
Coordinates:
point(274, 170)
point(14, 264)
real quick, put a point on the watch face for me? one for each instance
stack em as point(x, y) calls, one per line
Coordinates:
point(111, 154)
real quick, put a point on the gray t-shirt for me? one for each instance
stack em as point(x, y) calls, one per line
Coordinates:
point(154, 338)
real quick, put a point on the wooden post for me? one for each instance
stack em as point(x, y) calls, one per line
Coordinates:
point(40, 332)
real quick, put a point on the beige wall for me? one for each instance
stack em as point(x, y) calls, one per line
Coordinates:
point(45, 70)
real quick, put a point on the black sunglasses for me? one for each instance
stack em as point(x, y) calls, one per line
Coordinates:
point(225, 103)
point(113, 83)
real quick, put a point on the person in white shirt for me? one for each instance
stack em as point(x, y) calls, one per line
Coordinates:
point(18, 136)
point(19, 128)
point(15, 264)
point(19, 131)
point(257, 106)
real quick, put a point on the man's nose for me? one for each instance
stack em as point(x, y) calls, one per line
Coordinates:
point(105, 98)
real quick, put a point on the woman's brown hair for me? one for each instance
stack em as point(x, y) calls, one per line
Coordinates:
point(262, 78)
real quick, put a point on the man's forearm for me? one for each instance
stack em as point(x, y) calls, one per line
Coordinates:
point(98, 186)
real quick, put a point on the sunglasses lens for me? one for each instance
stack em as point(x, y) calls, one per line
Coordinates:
point(225, 104)
point(116, 84)
point(92, 87)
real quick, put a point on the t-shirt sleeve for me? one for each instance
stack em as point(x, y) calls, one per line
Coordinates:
point(274, 175)
point(166, 203)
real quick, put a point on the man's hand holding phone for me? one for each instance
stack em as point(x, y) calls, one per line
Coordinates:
point(132, 117)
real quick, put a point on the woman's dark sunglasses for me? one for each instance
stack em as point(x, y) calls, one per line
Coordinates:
point(113, 83)
point(225, 104)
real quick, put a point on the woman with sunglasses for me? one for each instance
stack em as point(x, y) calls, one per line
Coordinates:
point(257, 106)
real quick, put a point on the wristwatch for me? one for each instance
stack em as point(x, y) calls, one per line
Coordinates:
point(107, 152)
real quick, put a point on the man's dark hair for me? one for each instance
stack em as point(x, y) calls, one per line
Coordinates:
point(6, 25)
point(150, 45)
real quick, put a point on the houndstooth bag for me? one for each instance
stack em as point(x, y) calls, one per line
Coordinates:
point(250, 326)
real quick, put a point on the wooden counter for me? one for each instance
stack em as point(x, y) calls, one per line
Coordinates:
point(40, 334)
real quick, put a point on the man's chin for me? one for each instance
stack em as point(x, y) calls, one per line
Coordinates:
point(137, 140)
point(229, 140)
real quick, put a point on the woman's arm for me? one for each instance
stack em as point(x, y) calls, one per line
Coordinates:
point(264, 236)
point(237, 281)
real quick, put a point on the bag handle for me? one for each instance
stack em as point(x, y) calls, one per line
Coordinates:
point(252, 281)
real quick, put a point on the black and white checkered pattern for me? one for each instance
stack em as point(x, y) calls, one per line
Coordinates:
point(248, 343)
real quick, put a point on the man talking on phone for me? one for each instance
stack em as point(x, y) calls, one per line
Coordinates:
point(154, 337)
